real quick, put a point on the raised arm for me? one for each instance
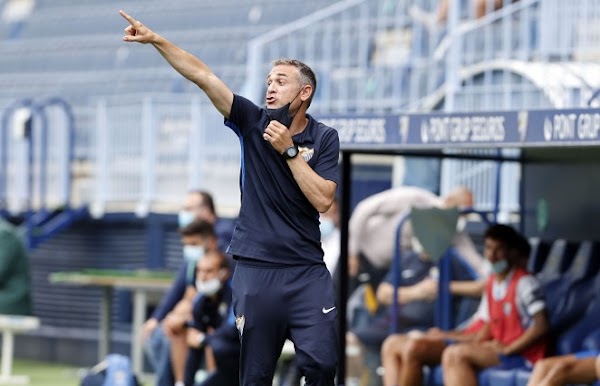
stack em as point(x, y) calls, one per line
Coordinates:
point(183, 62)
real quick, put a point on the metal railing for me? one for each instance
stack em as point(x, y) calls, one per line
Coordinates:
point(132, 127)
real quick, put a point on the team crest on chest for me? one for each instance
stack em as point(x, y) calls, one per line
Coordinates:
point(306, 153)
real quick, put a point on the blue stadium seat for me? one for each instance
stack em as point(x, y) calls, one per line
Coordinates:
point(522, 377)
point(496, 377)
point(488, 377)
point(538, 255)
point(571, 340)
point(572, 291)
point(558, 261)
point(434, 376)
point(592, 341)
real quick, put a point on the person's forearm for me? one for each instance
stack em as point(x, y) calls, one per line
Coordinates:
point(533, 333)
point(182, 61)
point(406, 294)
point(467, 288)
point(196, 71)
point(185, 63)
point(319, 191)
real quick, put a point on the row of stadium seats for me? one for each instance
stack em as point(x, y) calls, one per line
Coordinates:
point(569, 273)
point(60, 41)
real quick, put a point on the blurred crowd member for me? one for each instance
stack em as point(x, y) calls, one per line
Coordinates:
point(197, 238)
point(417, 292)
point(211, 333)
point(15, 273)
point(330, 237)
point(439, 18)
point(200, 205)
point(374, 221)
point(577, 368)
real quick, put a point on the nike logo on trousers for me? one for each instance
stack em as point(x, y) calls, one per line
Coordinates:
point(327, 310)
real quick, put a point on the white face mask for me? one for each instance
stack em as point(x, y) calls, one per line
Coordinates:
point(193, 253)
point(500, 266)
point(327, 227)
point(185, 218)
point(209, 287)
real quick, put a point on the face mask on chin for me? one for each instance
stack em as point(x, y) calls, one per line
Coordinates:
point(500, 266)
point(208, 287)
point(282, 114)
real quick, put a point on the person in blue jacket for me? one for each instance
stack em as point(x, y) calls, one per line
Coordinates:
point(212, 337)
point(197, 238)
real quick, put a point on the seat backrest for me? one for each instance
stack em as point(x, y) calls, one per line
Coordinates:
point(538, 255)
point(569, 301)
point(559, 259)
point(585, 263)
point(570, 336)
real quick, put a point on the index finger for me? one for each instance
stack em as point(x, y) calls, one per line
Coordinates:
point(130, 19)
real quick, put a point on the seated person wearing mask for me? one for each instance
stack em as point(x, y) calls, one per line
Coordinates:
point(199, 205)
point(508, 328)
point(211, 333)
point(417, 293)
point(197, 238)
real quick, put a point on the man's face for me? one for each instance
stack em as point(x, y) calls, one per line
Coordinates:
point(495, 250)
point(193, 203)
point(208, 268)
point(283, 87)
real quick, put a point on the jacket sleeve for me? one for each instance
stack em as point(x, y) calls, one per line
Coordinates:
point(174, 295)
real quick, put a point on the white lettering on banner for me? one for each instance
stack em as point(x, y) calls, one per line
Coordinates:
point(566, 127)
point(359, 130)
point(463, 129)
point(588, 126)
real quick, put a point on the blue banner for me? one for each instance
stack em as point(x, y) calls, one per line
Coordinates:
point(475, 130)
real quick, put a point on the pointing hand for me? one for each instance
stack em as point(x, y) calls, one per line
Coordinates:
point(136, 31)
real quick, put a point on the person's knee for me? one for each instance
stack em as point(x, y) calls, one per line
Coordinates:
point(389, 346)
point(414, 349)
point(351, 338)
point(543, 366)
point(452, 355)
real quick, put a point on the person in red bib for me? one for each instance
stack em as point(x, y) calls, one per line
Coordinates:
point(506, 330)
point(512, 316)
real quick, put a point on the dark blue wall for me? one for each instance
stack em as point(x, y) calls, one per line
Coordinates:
point(69, 314)
point(569, 193)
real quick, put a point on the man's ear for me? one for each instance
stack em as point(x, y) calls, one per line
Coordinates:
point(307, 91)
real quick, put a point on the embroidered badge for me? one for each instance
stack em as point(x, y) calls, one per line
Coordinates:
point(306, 153)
